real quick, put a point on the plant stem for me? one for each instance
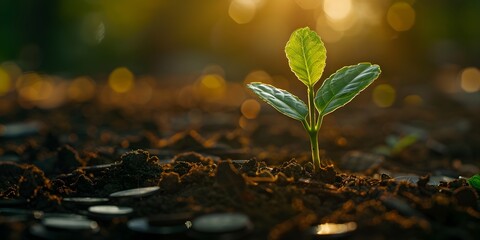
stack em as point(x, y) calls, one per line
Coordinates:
point(315, 151)
point(311, 107)
point(313, 129)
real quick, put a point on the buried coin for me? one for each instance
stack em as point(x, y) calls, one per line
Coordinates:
point(85, 200)
point(110, 210)
point(169, 224)
point(434, 180)
point(16, 214)
point(329, 230)
point(70, 224)
point(96, 168)
point(219, 223)
point(63, 227)
point(12, 202)
point(136, 192)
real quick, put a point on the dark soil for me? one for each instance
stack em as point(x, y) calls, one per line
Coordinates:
point(262, 171)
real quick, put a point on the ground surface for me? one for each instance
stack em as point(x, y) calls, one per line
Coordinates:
point(270, 179)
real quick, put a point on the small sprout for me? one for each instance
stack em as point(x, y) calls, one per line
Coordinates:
point(396, 144)
point(307, 56)
point(474, 181)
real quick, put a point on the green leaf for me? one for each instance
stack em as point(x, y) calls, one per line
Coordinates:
point(474, 181)
point(281, 100)
point(342, 86)
point(306, 55)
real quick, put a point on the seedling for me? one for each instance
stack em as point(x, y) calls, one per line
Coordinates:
point(306, 56)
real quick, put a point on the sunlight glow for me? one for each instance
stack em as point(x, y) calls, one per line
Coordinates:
point(470, 80)
point(121, 80)
point(401, 16)
point(337, 9)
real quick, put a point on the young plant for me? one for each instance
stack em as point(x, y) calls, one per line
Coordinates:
point(306, 56)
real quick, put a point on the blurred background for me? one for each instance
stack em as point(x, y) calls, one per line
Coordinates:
point(57, 51)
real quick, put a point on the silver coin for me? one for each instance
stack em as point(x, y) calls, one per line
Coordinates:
point(136, 192)
point(221, 223)
point(85, 200)
point(110, 210)
point(70, 224)
point(142, 225)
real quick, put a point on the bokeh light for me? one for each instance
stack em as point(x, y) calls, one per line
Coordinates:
point(413, 100)
point(258, 76)
point(121, 80)
point(81, 89)
point(33, 87)
point(212, 87)
point(242, 11)
point(401, 16)
point(470, 80)
point(142, 93)
point(384, 95)
point(250, 108)
point(327, 33)
point(5, 82)
point(308, 4)
point(337, 9)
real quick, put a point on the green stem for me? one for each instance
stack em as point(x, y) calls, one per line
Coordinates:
point(315, 151)
point(311, 107)
point(313, 128)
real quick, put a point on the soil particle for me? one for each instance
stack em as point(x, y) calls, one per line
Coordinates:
point(190, 140)
point(466, 197)
point(137, 169)
point(422, 181)
point(197, 174)
point(181, 168)
point(67, 160)
point(23, 181)
point(292, 169)
point(169, 182)
point(229, 179)
point(193, 157)
point(250, 167)
point(326, 174)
